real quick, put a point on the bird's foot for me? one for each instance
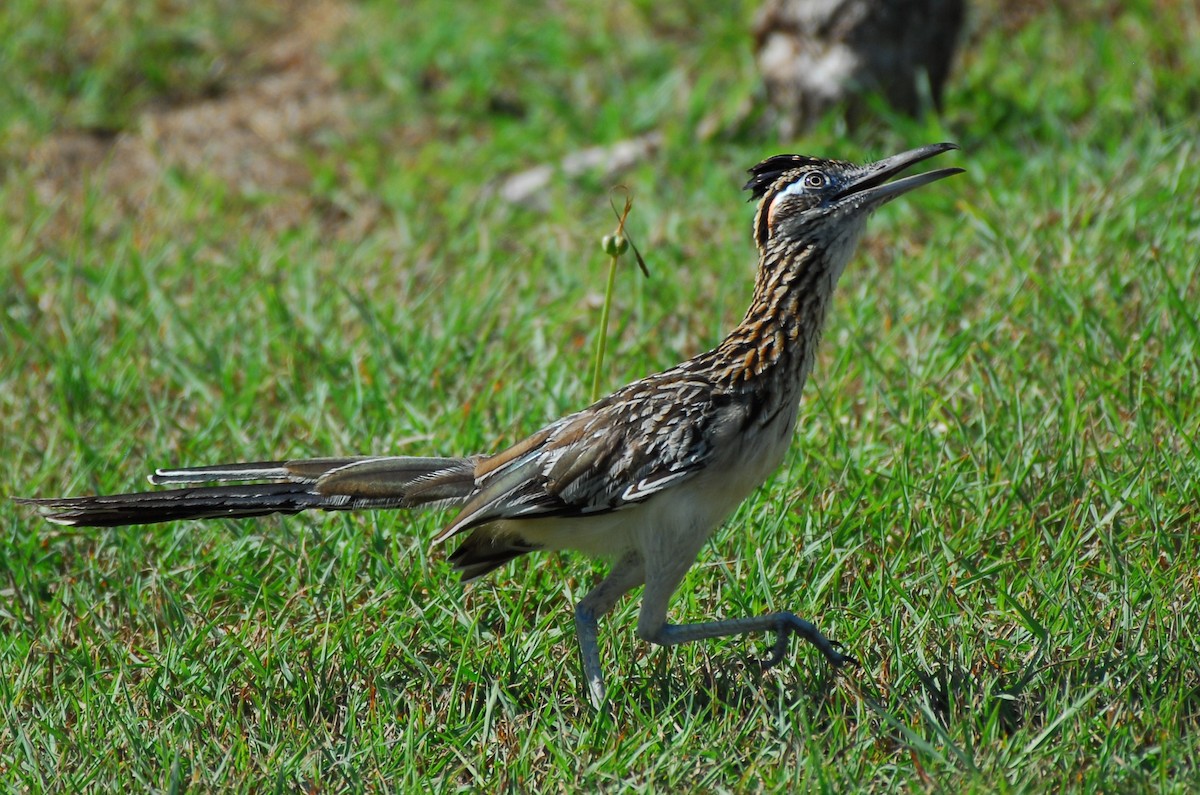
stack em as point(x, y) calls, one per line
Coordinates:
point(788, 624)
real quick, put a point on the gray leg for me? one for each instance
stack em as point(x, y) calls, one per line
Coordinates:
point(628, 573)
point(783, 624)
point(653, 626)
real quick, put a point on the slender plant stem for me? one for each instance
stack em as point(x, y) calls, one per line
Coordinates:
point(602, 340)
point(614, 245)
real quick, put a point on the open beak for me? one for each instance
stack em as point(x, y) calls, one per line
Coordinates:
point(871, 186)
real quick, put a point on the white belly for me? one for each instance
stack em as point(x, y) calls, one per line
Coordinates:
point(675, 522)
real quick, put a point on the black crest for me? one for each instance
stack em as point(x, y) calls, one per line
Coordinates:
point(763, 176)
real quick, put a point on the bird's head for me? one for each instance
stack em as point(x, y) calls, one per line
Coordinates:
point(814, 202)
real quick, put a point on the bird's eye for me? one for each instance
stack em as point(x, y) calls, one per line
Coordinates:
point(815, 179)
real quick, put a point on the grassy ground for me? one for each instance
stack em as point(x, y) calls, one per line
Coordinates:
point(992, 499)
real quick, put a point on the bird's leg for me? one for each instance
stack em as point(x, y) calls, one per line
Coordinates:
point(653, 626)
point(628, 573)
point(784, 624)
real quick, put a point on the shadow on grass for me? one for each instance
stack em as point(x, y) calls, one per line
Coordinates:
point(720, 686)
point(1126, 687)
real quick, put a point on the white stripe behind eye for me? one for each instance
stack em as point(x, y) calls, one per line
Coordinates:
point(793, 189)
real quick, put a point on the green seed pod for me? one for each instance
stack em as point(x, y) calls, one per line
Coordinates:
point(614, 245)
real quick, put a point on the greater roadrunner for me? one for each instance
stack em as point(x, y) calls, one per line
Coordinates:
point(642, 477)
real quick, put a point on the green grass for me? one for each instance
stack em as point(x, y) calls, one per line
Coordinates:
point(992, 498)
point(91, 64)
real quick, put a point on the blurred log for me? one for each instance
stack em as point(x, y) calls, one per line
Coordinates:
point(818, 54)
point(525, 186)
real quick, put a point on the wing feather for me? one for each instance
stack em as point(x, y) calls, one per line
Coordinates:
point(645, 438)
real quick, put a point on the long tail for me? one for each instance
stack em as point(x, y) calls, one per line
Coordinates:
point(260, 488)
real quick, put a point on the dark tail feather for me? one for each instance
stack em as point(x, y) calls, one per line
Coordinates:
point(206, 502)
point(330, 484)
